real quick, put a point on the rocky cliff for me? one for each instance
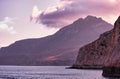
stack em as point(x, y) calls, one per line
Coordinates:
point(111, 65)
point(58, 49)
point(101, 52)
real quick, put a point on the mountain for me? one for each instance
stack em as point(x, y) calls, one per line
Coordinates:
point(58, 49)
point(102, 53)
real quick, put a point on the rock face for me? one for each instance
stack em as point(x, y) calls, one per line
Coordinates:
point(112, 61)
point(58, 49)
point(104, 52)
point(93, 54)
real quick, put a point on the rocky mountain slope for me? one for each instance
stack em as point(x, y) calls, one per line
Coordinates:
point(111, 66)
point(104, 52)
point(58, 49)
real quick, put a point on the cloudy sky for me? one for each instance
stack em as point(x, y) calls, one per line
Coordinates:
point(21, 19)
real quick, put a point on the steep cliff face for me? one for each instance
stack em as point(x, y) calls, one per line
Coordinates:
point(111, 65)
point(102, 52)
point(113, 58)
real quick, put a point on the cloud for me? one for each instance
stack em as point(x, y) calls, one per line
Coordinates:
point(66, 11)
point(35, 13)
point(5, 25)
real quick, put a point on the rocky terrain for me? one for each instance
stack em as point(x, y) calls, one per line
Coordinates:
point(112, 61)
point(58, 49)
point(102, 53)
point(93, 54)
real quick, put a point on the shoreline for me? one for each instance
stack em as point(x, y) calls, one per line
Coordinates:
point(85, 67)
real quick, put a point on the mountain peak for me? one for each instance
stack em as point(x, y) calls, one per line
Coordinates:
point(89, 17)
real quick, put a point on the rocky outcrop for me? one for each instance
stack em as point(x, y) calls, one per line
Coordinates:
point(58, 49)
point(102, 51)
point(93, 54)
point(112, 61)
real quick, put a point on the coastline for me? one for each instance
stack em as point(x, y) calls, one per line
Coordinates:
point(86, 67)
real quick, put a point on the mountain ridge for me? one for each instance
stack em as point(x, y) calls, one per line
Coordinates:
point(58, 49)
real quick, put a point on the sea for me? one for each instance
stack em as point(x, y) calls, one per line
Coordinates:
point(48, 72)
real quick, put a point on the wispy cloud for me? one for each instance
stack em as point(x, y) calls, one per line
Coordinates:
point(66, 11)
point(5, 25)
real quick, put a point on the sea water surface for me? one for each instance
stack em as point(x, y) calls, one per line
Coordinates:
point(47, 72)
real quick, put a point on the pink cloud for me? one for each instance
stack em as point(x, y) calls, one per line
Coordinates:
point(66, 11)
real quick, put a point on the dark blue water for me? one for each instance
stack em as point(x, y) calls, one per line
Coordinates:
point(47, 72)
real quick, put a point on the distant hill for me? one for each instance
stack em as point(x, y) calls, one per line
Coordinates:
point(58, 49)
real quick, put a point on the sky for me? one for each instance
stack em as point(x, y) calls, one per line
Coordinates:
point(23, 19)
